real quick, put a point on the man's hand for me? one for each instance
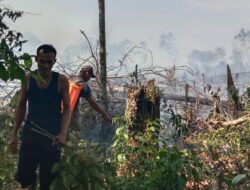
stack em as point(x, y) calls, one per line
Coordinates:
point(106, 117)
point(13, 144)
point(61, 138)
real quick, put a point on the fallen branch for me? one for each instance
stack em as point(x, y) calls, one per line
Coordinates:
point(237, 121)
point(232, 122)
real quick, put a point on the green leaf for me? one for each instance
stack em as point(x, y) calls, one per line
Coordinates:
point(119, 131)
point(125, 136)
point(4, 74)
point(16, 72)
point(94, 172)
point(74, 184)
point(56, 168)
point(238, 178)
point(27, 61)
point(57, 184)
point(181, 181)
point(115, 143)
point(121, 157)
point(68, 179)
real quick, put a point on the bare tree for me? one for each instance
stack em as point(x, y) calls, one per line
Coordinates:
point(102, 38)
point(103, 69)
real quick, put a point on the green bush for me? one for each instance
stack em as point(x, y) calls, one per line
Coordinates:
point(142, 164)
point(8, 160)
point(81, 167)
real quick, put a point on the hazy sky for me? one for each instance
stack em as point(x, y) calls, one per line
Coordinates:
point(169, 28)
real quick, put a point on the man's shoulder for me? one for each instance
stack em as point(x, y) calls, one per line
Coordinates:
point(76, 79)
point(62, 77)
point(86, 91)
point(63, 82)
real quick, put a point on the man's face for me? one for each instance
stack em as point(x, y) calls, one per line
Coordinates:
point(45, 62)
point(85, 75)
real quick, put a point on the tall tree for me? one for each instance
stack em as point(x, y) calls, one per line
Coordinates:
point(103, 71)
point(102, 38)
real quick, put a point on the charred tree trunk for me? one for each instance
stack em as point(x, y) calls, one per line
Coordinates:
point(230, 84)
point(103, 71)
point(102, 38)
point(233, 94)
point(143, 104)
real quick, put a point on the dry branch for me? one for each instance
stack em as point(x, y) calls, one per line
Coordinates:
point(232, 122)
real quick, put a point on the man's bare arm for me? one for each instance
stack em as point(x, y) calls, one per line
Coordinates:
point(19, 117)
point(98, 109)
point(64, 89)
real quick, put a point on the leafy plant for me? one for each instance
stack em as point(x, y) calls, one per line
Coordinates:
point(142, 164)
point(8, 160)
point(247, 106)
point(224, 151)
point(81, 167)
point(10, 42)
point(10, 66)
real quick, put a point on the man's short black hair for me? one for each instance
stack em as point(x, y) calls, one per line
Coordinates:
point(47, 48)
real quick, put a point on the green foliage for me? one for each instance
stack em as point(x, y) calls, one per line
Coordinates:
point(8, 161)
point(142, 164)
point(9, 64)
point(121, 136)
point(11, 37)
point(81, 167)
point(225, 152)
point(10, 42)
point(173, 168)
point(10, 68)
point(235, 97)
point(247, 106)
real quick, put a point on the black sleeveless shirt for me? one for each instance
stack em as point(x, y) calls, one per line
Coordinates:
point(44, 109)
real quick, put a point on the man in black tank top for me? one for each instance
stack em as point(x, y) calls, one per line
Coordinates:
point(44, 110)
